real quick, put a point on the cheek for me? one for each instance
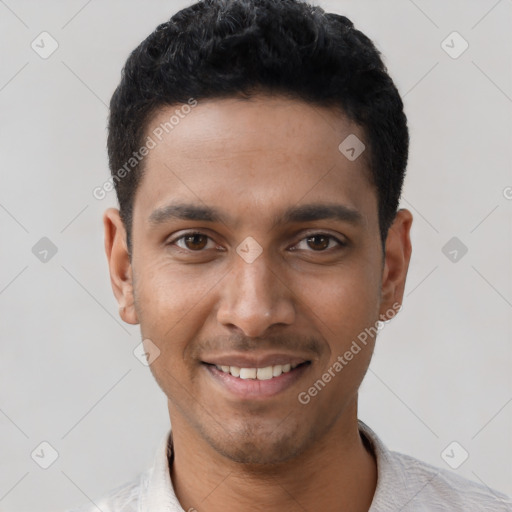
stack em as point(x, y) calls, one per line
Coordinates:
point(171, 307)
point(348, 312)
point(172, 312)
point(346, 301)
point(345, 308)
point(166, 293)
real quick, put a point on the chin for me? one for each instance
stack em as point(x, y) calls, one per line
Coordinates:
point(259, 447)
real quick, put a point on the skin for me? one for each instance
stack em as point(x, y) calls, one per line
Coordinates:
point(310, 297)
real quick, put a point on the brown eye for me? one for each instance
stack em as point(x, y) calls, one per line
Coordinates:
point(195, 242)
point(318, 242)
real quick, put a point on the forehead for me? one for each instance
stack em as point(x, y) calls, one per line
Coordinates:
point(259, 153)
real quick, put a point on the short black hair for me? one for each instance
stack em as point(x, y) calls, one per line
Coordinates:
point(239, 48)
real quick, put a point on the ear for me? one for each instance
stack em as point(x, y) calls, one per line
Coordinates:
point(396, 263)
point(120, 267)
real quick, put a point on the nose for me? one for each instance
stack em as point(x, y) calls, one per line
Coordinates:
point(254, 298)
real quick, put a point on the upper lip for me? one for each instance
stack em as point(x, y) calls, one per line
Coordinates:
point(254, 360)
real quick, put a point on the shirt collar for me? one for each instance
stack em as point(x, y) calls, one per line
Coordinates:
point(157, 492)
point(390, 478)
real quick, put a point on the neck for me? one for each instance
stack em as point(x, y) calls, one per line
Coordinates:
point(336, 473)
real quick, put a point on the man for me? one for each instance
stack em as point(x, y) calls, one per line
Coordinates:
point(258, 150)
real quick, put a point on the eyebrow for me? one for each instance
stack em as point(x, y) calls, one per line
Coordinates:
point(185, 212)
point(295, 214)
point(320, 211)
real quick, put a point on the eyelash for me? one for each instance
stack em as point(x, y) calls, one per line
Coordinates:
point(340, 243)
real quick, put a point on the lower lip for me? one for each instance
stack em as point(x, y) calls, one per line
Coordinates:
point(254, 388)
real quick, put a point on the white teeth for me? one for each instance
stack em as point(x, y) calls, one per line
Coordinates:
point(277, 370)
point(248, 373)
point(257, 373)
point(264, 373)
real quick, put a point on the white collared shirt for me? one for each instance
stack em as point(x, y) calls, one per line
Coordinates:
point(404, 484)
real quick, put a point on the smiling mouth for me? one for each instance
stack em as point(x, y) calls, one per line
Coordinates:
point(265, 373)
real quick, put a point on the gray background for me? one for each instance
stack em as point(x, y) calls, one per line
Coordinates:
point(68, 376)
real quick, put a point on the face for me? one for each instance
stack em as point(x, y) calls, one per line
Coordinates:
point(256, 263)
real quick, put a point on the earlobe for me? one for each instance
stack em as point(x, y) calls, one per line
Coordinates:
point(120, 268)
point(396, 263)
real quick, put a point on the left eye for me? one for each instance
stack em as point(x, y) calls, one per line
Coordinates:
point(193, 241)
point(319, 242)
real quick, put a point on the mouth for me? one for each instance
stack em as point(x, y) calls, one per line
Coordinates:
point(256, 382)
